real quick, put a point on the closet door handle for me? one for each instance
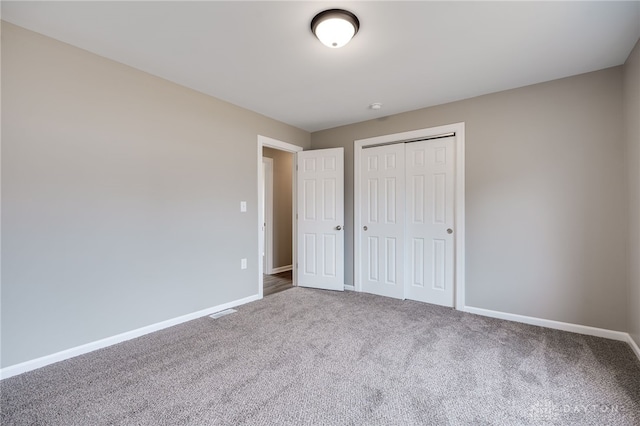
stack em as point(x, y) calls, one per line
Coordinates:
point(365, 228)
point(339, 228)
point(449, 231)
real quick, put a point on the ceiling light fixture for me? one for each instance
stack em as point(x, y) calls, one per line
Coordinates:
point(335, 27)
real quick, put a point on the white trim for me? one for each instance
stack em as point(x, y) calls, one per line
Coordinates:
point(556, 325)
point(33, 364)
point(267, 163)
point(458, 128)
point(460, 212)
point(634, 346)
point(280, 269)
point(349, 287)
point(264, 141)
point(278, 144)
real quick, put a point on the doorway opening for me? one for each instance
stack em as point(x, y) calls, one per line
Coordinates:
point(277, 229)
point(278, 220)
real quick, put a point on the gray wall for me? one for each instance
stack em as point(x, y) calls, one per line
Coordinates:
point(631, 85)
point(282, 208)
point(120, 197)
point(545, 196)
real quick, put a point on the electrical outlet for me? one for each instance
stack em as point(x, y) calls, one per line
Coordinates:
point(243, 263)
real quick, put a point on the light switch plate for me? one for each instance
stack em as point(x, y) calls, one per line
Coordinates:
point(243, 263)
point(243, 206)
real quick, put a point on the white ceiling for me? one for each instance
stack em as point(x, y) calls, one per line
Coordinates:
point(407, 55)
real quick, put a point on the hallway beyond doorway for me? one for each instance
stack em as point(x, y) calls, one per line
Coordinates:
point(277, 282)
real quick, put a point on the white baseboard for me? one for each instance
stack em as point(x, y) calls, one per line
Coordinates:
point(281, 269)
point(349, 287)
point(634, 346)
point(14, 370)
point(557, 325)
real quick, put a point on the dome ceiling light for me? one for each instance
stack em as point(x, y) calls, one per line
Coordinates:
point(335, 27)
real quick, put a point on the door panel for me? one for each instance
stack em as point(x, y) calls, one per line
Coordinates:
point(382, 194)
point(320, 178)
point(430, 175)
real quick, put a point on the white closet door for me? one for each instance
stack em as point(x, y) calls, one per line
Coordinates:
point(382, 196)
point(430, 175)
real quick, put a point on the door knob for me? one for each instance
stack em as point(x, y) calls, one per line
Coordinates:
point(365, 228)
point(449, 231)
point(338, 227)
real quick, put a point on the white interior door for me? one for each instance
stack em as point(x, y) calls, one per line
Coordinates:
point(320, 218)
point(382, 235)
point(430, 175)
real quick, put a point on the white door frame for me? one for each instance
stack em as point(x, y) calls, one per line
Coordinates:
point(267, 164)
point(459, 241)
point(264, 141)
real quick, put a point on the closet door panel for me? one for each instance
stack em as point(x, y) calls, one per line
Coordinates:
point(430, 174)
point(382, 195)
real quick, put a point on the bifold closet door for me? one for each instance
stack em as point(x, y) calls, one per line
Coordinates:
point(382, 194)
point(430, 168)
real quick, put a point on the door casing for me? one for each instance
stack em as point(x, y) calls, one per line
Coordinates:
point(459, 230)
point(267, 234)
